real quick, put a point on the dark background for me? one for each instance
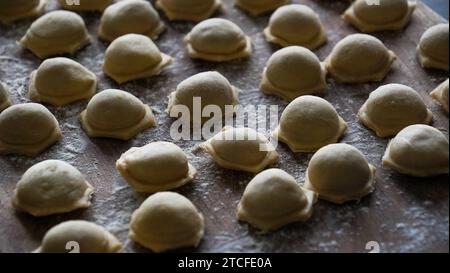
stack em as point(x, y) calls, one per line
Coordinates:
point(440, 6)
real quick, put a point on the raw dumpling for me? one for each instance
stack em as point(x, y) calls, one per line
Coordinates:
point(27, 129)
point(241, 149)
point(80, 237)
point(296, 25)
point(211, 87)
point(189, 10)
point(387, 15)
point(418, 150)
point(274, 199)
point(293, 71)
point(258, 7)
point(86, 5)
point(14, 10)
point(133, 56)
point(309, 123)
point(52, 187)
point(440, 94)
point(131, 16)
point(4, 97)
point(433, 47)
point(116, 114)
point(359, 58)
point(393, 107)
point(166, 221)
point(60, 81)
point(340, 173)
point(218, 40)
point(57, 32)
point(158, 166)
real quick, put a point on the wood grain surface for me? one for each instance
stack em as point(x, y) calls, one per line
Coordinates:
point(404, 214)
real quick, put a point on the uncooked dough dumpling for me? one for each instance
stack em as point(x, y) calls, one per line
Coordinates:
point(131, 16)
point(52, 187)
point(192, 10)
point(27, 129)
point(60, 81)
point(418, 150)
point(218, 40)
point(167, 221)
point(86, 5)
point(133, 56)
point(258, 7)
point(440, 94)
point(158, 166)
point(79, 235)
point(211, 87)
point(14, 10)
point(274, 199)
point(309, 123)
point(4, 97)
point(392, 107)
point(241, 149)
point(57, 32)
point(292, 72)
point(116, 114)
point(340, 173)
point(433, 47)
point(387, 15)
point(296, 25)
point(359, 58)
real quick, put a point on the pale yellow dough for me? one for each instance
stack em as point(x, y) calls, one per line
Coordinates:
point(116, 114)
point(57, 32)
point(131, 16)
point(52, 187)
point(87, 5)
point(295, 25)
point(274, 199)
point(241, 149)
point(158, 166)
point(167, 221)
point(27, 129)
point(90, 237)
point(189, 10)
point(433, 47)
point(388, 15)
point(4, 97)
point(15, 10)
point(212, 87)
point(418, 150)
point(292, 72)
point(359, 58)
point(133, 56)
point(60, 81)
point(392, 107)
point(309, 123)
point(440, 94)
point(258, 7)
point(340, 173)
point(218, 40)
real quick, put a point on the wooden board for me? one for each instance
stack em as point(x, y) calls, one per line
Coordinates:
point(404, 214)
